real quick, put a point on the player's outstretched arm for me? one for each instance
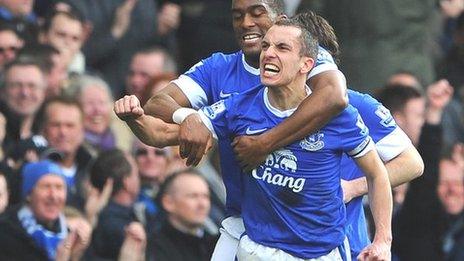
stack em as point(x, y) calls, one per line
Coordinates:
point(380, 201)
point(327, 100)
point(405, 167)
point(165, 102)
point(170, 105)
point(149, 130)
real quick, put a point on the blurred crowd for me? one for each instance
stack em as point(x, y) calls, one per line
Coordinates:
point(109, 196)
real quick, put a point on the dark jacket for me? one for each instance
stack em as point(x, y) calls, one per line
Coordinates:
point(75, 198)
point(108, 236)
point(15, 243)
point(422, 221)
point(171, 244)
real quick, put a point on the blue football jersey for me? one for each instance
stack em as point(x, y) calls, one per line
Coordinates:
point(293, 201)
point(218, 77)
point(390, 141)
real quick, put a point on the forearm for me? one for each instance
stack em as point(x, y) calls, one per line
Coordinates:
point(166, 102)
point(327, 100)
point(380, 197)
point(407, 166)
point(380, 202)
point(154, 132)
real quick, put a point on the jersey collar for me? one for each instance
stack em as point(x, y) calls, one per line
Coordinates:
point(248, 67)
point(277, 112)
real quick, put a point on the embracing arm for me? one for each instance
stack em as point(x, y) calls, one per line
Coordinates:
point(405, 167)
point(327, 100)
point(164, 103)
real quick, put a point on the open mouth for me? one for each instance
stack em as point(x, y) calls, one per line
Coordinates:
point(271, 69)
point(251, 37)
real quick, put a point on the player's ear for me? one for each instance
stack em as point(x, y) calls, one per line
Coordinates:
point(307, 64)
point(281, 17)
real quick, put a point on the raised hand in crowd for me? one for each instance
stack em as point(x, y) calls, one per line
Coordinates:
point(97, 200)
point(122, 18)
point(133, 247)
point(452, 8)
point(168, 18)
point(439, 95)
point(77, 241)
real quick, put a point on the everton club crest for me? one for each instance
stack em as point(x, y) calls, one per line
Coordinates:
point(313, 142)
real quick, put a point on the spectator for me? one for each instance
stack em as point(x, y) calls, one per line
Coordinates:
point(3, 192)
point(145, 65)
point(23, 94)
point(96, 101)
point(120, 28)
point(64, 131)
point(2, 134)
point(404, 78)
point(10, 44)
point(35, 230)
point(156, 84)
point(185, 198)
point(65, 32)
point(54, 67)
point(122, 169)
point(152, 164)
point(20, 16)
point(430, 225)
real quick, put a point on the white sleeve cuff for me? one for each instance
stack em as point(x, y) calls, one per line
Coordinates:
point(393, 144)
point(322, 68)
point(207, 123)
point(195, 94)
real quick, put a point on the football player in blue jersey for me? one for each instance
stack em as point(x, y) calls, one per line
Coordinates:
point(292, 204)
point(152, 131)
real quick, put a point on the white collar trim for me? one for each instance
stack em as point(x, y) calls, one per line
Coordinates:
point(277, 112)
point(248, 67)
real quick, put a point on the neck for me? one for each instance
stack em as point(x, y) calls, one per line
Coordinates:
point(252, 61)
point(191, 230)
point(288, 96)
point(68, 160)
point(123, 198)
point(26, 127)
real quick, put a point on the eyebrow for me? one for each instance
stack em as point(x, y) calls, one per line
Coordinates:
point(249, 8)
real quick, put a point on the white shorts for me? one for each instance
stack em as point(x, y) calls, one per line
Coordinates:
point(252, 251)
point(231, 231)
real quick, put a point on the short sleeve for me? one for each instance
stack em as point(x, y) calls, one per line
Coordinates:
point(324, 62)
point(196, 83)
point(216, 116)
point(354, 136)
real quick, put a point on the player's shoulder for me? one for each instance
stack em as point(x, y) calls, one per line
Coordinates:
point(224, 59)
point(359, 100)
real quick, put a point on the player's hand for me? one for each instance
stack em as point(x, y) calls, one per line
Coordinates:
point(128, 108)
point(347, 189)
point(377, 251)
point(194, 139)
point(249, 151)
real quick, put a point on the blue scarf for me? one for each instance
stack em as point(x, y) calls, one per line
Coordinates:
point(45, 239)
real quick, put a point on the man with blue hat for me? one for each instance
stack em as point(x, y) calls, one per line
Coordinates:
point(35, 230)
